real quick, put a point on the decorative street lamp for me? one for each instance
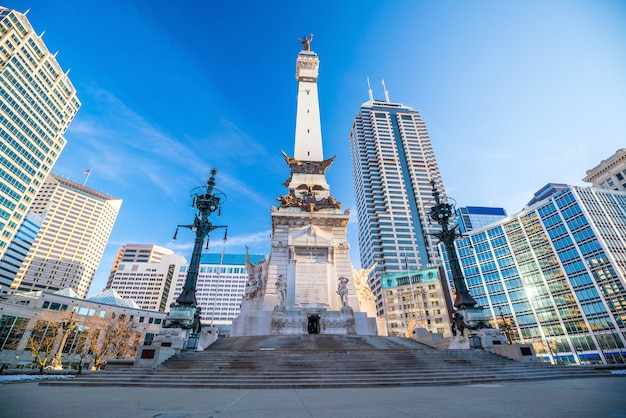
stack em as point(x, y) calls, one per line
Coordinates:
point(185, 312)
point(441, 213)
point(467, 314)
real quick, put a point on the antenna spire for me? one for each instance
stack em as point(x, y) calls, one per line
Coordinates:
point(369, 90)
point(386, 92)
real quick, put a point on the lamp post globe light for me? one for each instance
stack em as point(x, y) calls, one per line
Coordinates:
point(185, 313)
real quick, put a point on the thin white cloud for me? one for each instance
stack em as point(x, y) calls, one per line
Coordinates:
point(122, 146)
point(261, 237)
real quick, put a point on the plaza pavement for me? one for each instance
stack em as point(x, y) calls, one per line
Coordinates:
point(588, 397)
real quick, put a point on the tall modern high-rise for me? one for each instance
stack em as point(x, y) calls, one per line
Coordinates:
point(137, 253)
point(38, 104)
point(77, 222)
point(393, 164)
point(557, 269)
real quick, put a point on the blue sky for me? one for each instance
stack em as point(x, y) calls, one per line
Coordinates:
point(514, 95)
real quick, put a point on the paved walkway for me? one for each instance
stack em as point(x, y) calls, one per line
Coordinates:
point(591, 397)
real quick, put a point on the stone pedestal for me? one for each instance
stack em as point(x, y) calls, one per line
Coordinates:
point(471, 327)
point(314, 319)
point(491, 337)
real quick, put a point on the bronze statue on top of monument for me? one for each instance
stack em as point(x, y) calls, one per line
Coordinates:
point(306, 42)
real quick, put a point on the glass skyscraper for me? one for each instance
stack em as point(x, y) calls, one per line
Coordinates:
point(474, 217)
point(16, 252)
point(37, 104)
point(392, 164)
point(557, 269)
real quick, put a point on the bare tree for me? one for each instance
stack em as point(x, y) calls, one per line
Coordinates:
point(42, 340)
point(114, 338)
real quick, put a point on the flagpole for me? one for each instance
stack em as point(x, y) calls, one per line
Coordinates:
point(88, 174)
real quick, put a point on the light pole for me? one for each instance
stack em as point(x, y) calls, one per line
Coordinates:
point(441, 213)
point(207, 200)
point(467, 315)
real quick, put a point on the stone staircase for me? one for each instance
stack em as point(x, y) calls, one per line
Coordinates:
point(326, 361)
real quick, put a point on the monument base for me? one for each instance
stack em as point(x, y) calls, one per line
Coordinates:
point(474, 329)
point(309, 319)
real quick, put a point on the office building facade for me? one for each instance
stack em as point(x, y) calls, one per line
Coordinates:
point(610, 174)
point(393, 164)
point(474, 217)
point(77, 222)
point(37, 104)
point(557, 272)
point(416, 299)
point(147, 283)
point(137, 253)
point(20, 312)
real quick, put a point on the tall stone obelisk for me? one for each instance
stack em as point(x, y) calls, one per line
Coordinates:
point(308, 285)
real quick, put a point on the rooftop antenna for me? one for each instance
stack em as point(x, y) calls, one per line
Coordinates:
point(369, 90)
point(386, 92)
point(26, 12)
point(41, 36)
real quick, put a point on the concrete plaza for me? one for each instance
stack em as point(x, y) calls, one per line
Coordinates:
point(588, 397)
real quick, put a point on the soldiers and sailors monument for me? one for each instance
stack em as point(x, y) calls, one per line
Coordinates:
point(306, 285)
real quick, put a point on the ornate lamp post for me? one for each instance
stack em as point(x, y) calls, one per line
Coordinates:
point(467, 314)
point(441, 213)
point(206, 199)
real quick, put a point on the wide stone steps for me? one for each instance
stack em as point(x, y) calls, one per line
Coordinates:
point(325, 362)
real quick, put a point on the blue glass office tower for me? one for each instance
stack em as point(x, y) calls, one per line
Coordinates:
point(558, 269)
point(18, 249)
point(392, 164)
point(474, 217)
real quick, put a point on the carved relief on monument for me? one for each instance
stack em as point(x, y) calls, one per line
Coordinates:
point(308, 65)
point(308, 167)
point(308, 202)
point(342, 246)
point(363, 291)
point(311, 270)
point(257, 277)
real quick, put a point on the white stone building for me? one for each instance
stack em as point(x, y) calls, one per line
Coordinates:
point(77, 222)
point(610, 174)
point(19, 312)
point(137, 253)
point(149, 284)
